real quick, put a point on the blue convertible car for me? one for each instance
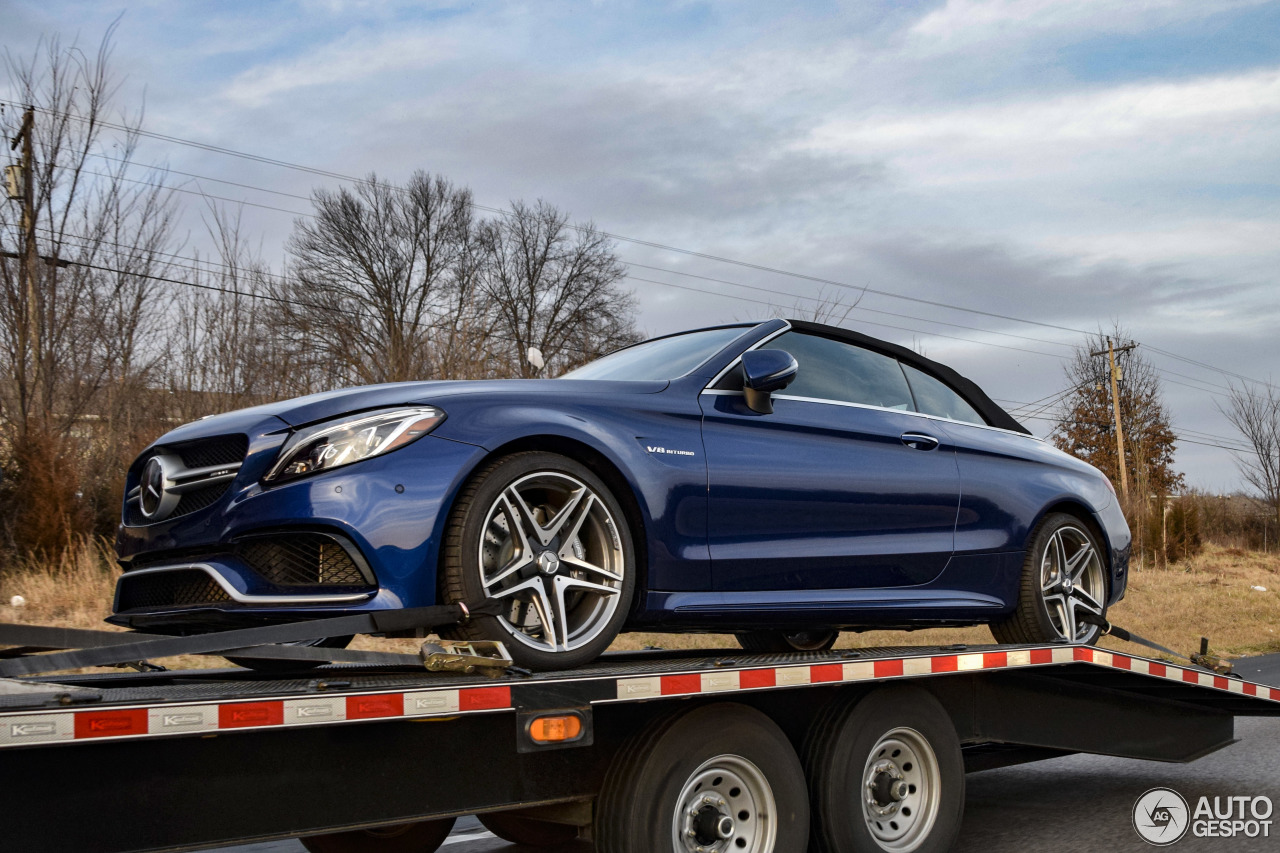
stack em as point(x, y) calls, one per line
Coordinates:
point(780, 480)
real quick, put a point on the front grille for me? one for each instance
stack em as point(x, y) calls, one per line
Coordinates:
point(302, 559)
point(222, 450)
point(180, 588)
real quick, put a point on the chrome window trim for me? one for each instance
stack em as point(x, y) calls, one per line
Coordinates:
point(738, 359)
point(243, 598)
point(725, 393)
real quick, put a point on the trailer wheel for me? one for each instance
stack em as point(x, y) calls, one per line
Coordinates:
point(885, 774)
point(424, 836)
point(718, 779)
point(528, 831)
point(787, 641)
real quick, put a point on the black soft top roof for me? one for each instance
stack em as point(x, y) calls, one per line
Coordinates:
point(994, 415)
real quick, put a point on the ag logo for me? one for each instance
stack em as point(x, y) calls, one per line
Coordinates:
point(1161, 816)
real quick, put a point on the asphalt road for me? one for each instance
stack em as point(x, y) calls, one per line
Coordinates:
point(1071, 804)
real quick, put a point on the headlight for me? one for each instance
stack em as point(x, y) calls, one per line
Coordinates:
point(351, 438)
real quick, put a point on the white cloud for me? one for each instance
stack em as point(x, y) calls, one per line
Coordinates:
point(351, 61)
point(961, 24)
point(1102, 117)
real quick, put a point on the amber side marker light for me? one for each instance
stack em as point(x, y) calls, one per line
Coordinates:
point(559, 728)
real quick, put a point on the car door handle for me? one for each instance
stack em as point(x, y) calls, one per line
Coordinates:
point(919, 441)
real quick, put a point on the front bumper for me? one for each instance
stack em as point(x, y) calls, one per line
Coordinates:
point(387, 513)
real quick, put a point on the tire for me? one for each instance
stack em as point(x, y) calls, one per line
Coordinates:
point(267, 665)
point(721, 772)
point(527, 831)
point(544, 532)
point(858, 752)
point(1061, 546)
point(787, 641)
point(424, 836)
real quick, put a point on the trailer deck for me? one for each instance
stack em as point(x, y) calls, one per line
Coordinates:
point(184, 760)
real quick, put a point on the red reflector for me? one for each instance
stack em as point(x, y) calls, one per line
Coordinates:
point(484, 698)
point(111, 723)
point(749, 678)
point(826, 672)
point(248, 714)
point(1220, 683)
point(672, 684)
point(888, 668)
point(1042, 655)
point(369, 707)
point(1156, 669)
point(1191, 676)
point(948, 663)
point(994, 660)
point(1121, 661)
point(1250, 689)
point(1085, 655)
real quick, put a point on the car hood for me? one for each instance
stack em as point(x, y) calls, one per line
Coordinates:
point(331, 404)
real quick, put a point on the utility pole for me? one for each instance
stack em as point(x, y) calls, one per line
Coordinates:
point(29, 338)
point(1115, 408)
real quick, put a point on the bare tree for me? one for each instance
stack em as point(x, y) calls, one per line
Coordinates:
point(80, 305)
point(1256, 414)
point(373, 275)
point(553, 286)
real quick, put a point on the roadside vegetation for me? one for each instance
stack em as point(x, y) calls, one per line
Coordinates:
point(1228, 594)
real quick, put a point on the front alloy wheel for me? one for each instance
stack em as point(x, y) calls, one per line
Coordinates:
point(544, 535)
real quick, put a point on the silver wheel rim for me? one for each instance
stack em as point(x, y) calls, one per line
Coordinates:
point(726, 806)
point(1072, 582)
point(550, 546)
point(900, 791)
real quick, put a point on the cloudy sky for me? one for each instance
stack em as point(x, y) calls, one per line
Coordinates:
point(1076, 164)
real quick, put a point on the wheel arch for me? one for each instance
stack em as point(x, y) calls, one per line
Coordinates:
point(1080, 511)
point(600, 465)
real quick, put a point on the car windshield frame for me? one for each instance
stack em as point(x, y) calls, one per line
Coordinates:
point(647, 354)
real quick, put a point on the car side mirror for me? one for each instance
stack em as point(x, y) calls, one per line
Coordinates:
point(763, 372)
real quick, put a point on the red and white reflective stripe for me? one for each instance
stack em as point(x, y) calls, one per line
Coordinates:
point(201, 718)
point(59, 726)
point(878, 669)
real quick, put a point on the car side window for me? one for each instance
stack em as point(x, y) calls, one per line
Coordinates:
point(833, 370)
point(934, 397)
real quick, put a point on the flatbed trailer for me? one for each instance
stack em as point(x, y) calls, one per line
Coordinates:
point(691, 752)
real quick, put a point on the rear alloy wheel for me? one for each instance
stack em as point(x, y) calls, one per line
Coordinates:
point(424, 836)
point(787, 641)
point(543, 534)
point(1064, 586)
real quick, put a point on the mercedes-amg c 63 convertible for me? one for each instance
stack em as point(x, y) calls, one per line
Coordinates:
point(783, 481)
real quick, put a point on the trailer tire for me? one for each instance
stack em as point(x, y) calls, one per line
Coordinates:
point(527, 831)
point(858, 754)
point(718, 771)
point(423, 836)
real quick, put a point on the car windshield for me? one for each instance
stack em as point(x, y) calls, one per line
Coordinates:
point(664, 358)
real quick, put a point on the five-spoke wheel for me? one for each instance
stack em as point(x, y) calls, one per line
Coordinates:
point(545, 535)
point(1064, 586)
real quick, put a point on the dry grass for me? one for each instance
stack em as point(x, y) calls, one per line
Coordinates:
point(1210, 595)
